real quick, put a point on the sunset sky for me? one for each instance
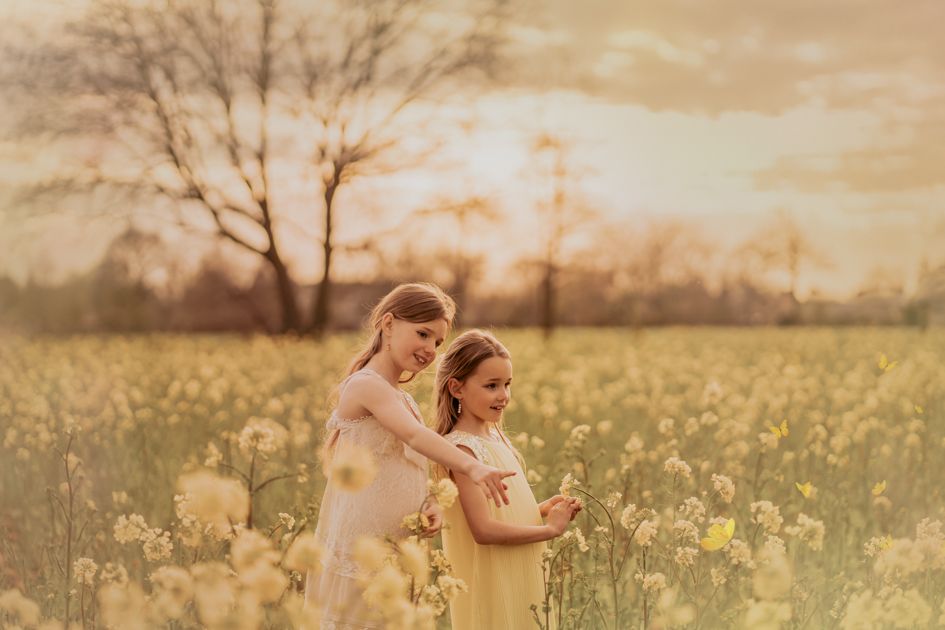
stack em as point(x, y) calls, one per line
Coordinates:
point(717, 114)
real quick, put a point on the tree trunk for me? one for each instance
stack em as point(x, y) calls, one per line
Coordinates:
point(322, 314)
point(321, 317)
point(460, 290)
point(286, 289)
point(548, 301)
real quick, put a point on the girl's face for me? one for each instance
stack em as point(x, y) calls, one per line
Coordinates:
point(487, 391)
point(413, 345)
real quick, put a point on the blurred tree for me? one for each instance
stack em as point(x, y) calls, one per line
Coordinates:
point(783, 246)
point(142, 258)
point(9, 291)
point(559, 218)
point(462, 266)
point(118, 300)
point(218, 107)
point(213, 300)
point(928, 304)
point(650, 269)
point(669, 256)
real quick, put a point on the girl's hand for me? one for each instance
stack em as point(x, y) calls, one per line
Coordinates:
point(545, 506)
point(561, 514)
point(490, 480)
point(434, 512)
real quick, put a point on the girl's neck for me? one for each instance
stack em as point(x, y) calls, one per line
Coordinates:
point(383, 365)
point(474, 426)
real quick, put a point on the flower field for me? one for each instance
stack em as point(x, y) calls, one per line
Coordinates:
point(764, 478)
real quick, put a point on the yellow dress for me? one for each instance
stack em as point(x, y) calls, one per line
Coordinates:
point(504, 580)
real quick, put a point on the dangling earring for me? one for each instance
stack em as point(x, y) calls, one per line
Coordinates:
point(388, 346)
point(459, 407)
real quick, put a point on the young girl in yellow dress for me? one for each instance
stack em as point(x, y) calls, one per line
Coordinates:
point(496, 552)
point(374, 414)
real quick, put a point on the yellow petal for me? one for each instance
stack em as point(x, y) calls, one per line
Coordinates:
point(718, 536)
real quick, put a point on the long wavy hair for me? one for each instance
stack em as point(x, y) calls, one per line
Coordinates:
point(415, 302)
point(461, 359)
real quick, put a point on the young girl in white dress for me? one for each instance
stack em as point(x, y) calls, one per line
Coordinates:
point(374, 413)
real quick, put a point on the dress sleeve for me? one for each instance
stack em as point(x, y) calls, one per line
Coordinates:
point(460, 438)
point(473, 443)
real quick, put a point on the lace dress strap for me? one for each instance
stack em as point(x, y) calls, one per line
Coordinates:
point(472, 442)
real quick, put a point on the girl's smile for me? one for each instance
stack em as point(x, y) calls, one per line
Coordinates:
point(413, 345)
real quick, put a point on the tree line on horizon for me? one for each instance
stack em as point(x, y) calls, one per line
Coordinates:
point(668, 282)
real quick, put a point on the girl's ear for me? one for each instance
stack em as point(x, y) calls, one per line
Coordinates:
point(455, 386)
point(387, 322)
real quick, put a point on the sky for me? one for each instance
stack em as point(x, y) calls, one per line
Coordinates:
point(718, 115)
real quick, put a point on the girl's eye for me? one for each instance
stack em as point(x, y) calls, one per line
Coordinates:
point(422, 334)
point(491, 385)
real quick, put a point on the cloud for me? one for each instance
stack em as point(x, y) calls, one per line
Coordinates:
point(713, 57)
point(768, 57)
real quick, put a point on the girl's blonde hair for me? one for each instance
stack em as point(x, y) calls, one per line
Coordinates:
point(415, 302)
point(461, 359)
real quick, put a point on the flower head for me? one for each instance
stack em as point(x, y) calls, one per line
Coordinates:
point(444, 490)
point(84, 570)
point(217, 501)
point(567, 483)
point(352, 468)
point(676, 466)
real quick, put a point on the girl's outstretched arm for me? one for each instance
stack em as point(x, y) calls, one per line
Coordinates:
point(383, 402)
point(488, 531)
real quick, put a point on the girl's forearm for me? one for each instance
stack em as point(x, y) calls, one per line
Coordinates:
point(498, 533)
point(432, 445)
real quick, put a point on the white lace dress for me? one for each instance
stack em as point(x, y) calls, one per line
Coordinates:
point(398, 489)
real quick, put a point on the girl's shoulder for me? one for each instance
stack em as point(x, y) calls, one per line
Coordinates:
point(355, 389)
point(364, 380)
point(472, 442)
point(364, 375)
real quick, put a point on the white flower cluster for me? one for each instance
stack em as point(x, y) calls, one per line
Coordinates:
point(686, 556)
point(693, 509)
point(724, 486)
point(578, 437)
point(262, 435)
point(156, 543)
point(809, 530)
point(768, 515)
point(651, 581)
point(646, 532)
point(84, 570)
point(676, 466)
point(686, 531)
